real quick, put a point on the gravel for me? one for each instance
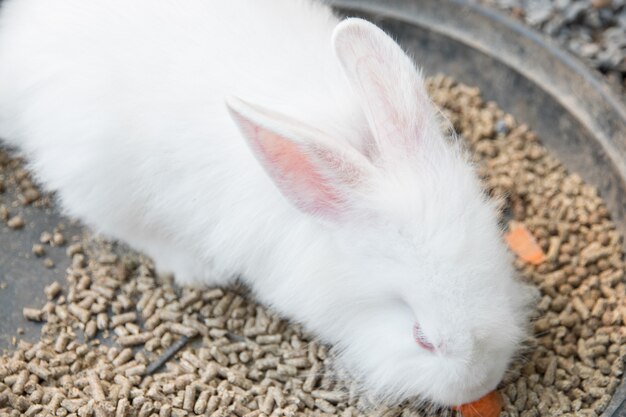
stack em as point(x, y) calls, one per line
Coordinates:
point(594, 30)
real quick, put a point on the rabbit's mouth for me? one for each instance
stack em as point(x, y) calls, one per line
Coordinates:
point(420, 338)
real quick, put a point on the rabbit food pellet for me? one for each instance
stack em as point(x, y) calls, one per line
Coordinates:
point(214, 352)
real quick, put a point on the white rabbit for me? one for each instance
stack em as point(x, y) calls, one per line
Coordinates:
point(269, 140)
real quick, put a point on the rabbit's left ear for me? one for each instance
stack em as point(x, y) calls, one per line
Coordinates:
point(318, 174)
point(390, 89)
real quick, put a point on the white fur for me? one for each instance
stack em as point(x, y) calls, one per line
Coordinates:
point(120, 106)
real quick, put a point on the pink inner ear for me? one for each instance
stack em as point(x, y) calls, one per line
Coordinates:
point(294, 170)
point(394, 120)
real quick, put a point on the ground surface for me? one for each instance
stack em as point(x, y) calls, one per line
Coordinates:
point(594, 30)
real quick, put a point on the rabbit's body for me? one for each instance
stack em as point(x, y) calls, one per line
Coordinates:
point(102, 100)
point(120, 107)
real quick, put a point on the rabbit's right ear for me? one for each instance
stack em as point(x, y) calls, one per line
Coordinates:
point(319, 175)
point(388, 85)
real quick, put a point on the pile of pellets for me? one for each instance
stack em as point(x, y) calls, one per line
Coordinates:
point(575, 361)
point(119, 340)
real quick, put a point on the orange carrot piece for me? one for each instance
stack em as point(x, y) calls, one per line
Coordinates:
point(488, 406)
point(523, 244)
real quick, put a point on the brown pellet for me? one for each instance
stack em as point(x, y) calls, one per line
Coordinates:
point(135, 370)
point(20, 381)
point(74, 249)
point(150, 306)
point(581, 308)
point(123, 407)
point(325, 406)
point(52, 290)
point(16, 222)
point(134, 339)
point(331, 396)
point(40, 371)
point(120, 319)
point(95, 386)
point(91, 329)
point(181, 329)
point(268, 339)
point(124, 356)
point(312, 377)
point(61, 342)
point(48, 263)
point(165, 411)
point(32, 314)
point(267, 406)
point(79, 312)
point(102, 321)
point(189, 397)
point(38, 250)
point(58, 239)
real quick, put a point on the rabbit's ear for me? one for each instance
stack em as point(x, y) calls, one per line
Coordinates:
point(317, 174)
point(389, 87)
